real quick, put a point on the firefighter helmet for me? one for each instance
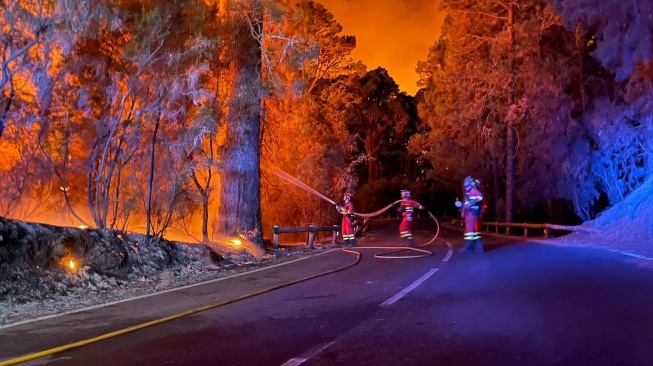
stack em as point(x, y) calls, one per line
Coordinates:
point(469, 182)
point(347, 196)
point(405, 193)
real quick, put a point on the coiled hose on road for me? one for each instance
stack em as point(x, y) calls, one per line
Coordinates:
point(395, 249)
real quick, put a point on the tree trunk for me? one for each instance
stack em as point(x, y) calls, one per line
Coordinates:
point(496, 184)
point(150, 180)
point(371, 168)
point(205, 219)
point(510, 137)
point(240, 196)
point(5, 110)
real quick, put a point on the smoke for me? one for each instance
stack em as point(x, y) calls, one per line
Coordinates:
point(392, 34)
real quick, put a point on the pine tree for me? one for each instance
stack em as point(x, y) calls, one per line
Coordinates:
point(240, 195)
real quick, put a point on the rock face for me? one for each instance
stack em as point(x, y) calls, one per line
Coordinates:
point(38, 260)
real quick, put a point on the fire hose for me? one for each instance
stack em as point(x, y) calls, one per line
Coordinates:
point(296, 182)
point(283, 175)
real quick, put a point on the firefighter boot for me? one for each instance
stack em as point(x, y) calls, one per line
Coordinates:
point(478, 246)
point(469, 244)
point(411, 243)
point(352, 242)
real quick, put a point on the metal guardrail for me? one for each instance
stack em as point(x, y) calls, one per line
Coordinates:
point(544, 227)
point(311, 230)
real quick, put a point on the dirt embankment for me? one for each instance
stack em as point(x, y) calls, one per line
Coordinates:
point(37, 260)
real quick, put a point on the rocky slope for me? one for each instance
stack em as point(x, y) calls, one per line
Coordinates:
point(47, 269)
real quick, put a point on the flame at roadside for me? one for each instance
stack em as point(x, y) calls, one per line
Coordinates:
point(69, 264)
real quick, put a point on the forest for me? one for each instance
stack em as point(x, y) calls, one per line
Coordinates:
point(170, 118)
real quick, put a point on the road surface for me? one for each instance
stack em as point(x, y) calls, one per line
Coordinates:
point(520, 303)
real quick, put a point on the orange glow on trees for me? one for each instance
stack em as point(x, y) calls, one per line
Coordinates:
point(304, 127)
point(138, 115)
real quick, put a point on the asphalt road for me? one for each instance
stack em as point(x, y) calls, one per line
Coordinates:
point(520, 303)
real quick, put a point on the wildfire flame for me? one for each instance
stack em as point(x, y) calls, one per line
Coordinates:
point(83, 227)
point(71, 264)
point(237, 242)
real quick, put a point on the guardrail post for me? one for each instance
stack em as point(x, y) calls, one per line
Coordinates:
point(276, 236)
point(335, 235)
point(311, 237)
point(546, 233)
point(525, 232)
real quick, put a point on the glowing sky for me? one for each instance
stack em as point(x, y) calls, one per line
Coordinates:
point(393, 34)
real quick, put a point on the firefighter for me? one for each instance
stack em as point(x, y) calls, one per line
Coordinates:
point(483, 206)
point(407, 207)
point(471, 213)
point(347, 226)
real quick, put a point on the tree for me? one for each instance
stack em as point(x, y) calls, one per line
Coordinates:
point(34, 33)
point(621, 30)
point(374, 116)
point(617, 117)
point(26, 183)
point(240, 195)
point(171, 91)
point(476, 92)
point(306, 66)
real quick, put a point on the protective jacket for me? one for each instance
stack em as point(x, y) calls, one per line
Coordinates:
point(471, 212)
point(347, 212)
point(407, 209)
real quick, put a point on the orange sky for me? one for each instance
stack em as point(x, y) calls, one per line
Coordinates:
point(393, 34)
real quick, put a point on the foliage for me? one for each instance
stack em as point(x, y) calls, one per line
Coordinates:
point(472, 81)
point(379, 118)
point(36, 34)
point(307, 68)
point(580, 135)
point(621, 30)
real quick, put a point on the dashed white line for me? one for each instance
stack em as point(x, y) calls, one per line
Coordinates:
point(307, 355)
point(408, 289)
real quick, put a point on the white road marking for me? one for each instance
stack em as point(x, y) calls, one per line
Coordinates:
point(449, 252)
point(308, 355)
point(637, 256)
point(410, 288)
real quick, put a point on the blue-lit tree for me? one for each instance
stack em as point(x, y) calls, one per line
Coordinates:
point(621, 28)
point(620, 121)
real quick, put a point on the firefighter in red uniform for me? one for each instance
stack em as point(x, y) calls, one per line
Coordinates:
point(471, 212)
point(347, 212)
point(407, 206)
